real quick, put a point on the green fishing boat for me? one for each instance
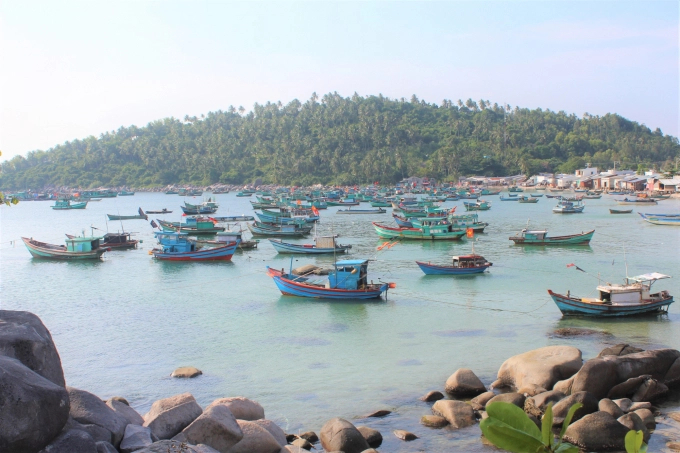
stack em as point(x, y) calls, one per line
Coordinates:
point(430, 230)
point(540, 237)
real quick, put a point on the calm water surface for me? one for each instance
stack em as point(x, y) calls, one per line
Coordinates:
point(123, 324)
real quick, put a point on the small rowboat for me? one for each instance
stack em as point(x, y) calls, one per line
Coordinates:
point(361, 211)
point(515, 198)
point(661, 219)
point(462, 265)
point(620, 211)
point(139, 216)
point(637, 201)
point(527, 200)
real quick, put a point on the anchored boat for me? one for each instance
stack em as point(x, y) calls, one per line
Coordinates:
point(322, 244)
point(661, 219)
point(177, 247)
point(76, 248)
point(461, 265)
point(434, 230)
point(540, 237)
point(66, 204)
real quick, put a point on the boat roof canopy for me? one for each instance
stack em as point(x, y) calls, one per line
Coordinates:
point(652, 276)
point(351, 262)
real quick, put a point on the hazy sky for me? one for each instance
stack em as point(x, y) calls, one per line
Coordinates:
point(70, 69)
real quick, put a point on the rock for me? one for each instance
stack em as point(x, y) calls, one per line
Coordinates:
point(673, 445)
point(255, 439)
point(541, 367)
point(650, 390)
point(624, 403)
point(564, 386)
point(201, 448)
point(632, 421)
point(136, 437)
point(372, 436)
point(464, 383)
point(627, 388)
point(513, 398)
point(105, 447)
point(675, 416)
point(310, 436)
point(434, 421)
point(598, 431)
point(24, 337)
point(404, 435)
point(169, 416)
point(378, 413)
point(173, 446)
point(647, 418)
point(340, 435)
point(457, 413)
point(531, 390)
point(242, 408)
point(186, 372)
point(535, 405)
point(619, 350)
point(479, 402)
point(562, 407)
point(274, 430)
point(370, 450)
point(122, 409)
point(71, 441)
point(217, 428)
point(672, 376)
point(640, 405)
point(609, 406)
point(432, 396)
point(87, 408)
point(97, 433)
point(33, 409)
point(302, 443)
point(120, 399)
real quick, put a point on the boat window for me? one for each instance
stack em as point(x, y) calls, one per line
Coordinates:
point(605, 297)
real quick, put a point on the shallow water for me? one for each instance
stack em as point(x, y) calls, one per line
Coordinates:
point(123, 324)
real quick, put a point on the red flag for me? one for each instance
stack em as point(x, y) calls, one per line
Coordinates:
point(470, 233)
point(571, 265)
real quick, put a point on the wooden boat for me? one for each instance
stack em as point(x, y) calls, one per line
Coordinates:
point(235, 218)
point(647, 201)
point(76, 248)
point(162, 211)
point(540, 237)
point(66, 204)
point(569, 207)
point(225, 237)
point(480, 205)
point(176, 246)
point(634, 297)
point(527, 200)
point(361, 211)
point(193, 225)
point(592, 197)
point(536, 195)
point(321, 245)
point(276, 231)
point(380, 204)
point(198, 210)
point(139, 216)
point(515, 189)
point(117, 241)
point(428, 231)
point(661, 219)
point(348, 280)
point(620, 211)
point(402, 222)
point(345, 202)
point(171, 192)
point(124, 193)
point(461, 265)
point(244, 194)
point(502, 198)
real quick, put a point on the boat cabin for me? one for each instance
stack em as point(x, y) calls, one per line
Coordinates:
point(228, 236)
point(174, 242)
point(635, 291)
point(200, 222)
point(468, 261)
point(349, 274)
point(539, 235)
point(82, 243)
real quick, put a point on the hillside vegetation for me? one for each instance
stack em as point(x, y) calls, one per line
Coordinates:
point(337, 140)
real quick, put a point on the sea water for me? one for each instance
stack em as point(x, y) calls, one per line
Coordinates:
point(123, 324)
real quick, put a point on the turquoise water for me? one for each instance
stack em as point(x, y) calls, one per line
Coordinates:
point(124, 324)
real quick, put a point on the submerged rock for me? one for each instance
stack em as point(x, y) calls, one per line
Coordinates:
point(186, 372)
point(433, 421)
point(404, 435)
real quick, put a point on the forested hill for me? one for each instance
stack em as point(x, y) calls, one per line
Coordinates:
point(343, 141)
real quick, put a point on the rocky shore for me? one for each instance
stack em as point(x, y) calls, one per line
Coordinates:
point(619, 390)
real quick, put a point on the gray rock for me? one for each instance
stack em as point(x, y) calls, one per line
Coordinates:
point(242, 408)
point(24, 337)
point(433, 395)
point(200, 448)
point(624, 403)
point(120, 399)
point(457, 413)
point(404, 435)
point(627, 388)
point(465, 383)
point(541, 367)
point(598, 431)
point(377, 414)
point(310, 436)
point(619, 350)
point(632, 421)
point(513, 398)
point(105, 447)
point(536, 405)
point(33, 410)
point(650, 390)
point(640, 405)
point(186, 372)
point(434, 421)
point(672, 376)
point(647, 418)
point(171, 446)
point(274, 430)
point(124, 410)
point(136, 438)
point(532, 390)
point(295, 448)
point(562, 407)
point(97, 433)
point(71, 441)
point(255, 439)
point(87, 408)
point(564, 386)
point(216, 427)
point(302, 443)
point(372, 436)
point(479, 402)
point(340, 435)
point(169, 416)
point(609, 406)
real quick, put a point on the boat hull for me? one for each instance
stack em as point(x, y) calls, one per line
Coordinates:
point(55, 252)
point(663, 219)
point(575, 239)
point(284, 247)
point(208, 254)
point(570, 306)
point(416, 234)
point(433, 269)
point(291, 288)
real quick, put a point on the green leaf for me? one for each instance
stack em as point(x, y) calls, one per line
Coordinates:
point(546, 427)
point(568, 418)
point(634, 442)
point(509, 438)
point(514, 417)
point(566, 447)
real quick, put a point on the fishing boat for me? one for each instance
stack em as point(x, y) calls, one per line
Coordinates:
point(162, 211)
point(244, 194)
point(430, 230)
point(634, 297)
point(502, 198)
point(197, 210)
point(515, 189)
point(536, 195)
point(569, 207)
point(527, 200)
point(235, 218)
point(402, 221)
point(344, 202)
point(176, 246)
point(124, 193)
point(171, 192)
point(480, 205)
point(380, 204)
point(139, 216)
point(461, 265)
point(540, 237)
point(225, 237)
point(647, 201)
point(661, 219)
point(322, 244)
point(347, 280)
point(361, 211)
point(259, 229)
point(66, 204)
point(592, 197)
point(620, 211)
point(115, 241)
point(76, 248)
point(193, 225)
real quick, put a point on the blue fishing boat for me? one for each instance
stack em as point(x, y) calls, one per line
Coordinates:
point(321, 245)
point(569, 207)
point(347, 280)
point(361, 211)
point(177, 247)
point(634, 297)
point(661, 219)
point(402, 222)
point(260, 229)
point(480, 205)
point(66, 204)
point(76, 248)
point(197, 209)
point(502, 198)
point(527, 200)
point(193, 225)
point(461, 265)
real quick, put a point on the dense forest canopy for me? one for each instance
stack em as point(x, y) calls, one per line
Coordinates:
point(337, 140)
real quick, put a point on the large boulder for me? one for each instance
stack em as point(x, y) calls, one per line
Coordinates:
point(619, 350)
point(479, 402)
point(464, 382)
point(216, 427)
point(672, 377)
point(169, 416)
point(274, 430)
point(627, 388)
point(457, 413)
point(561, 409)
point(96, 432)
point(598, 431)
point(536, 405)
point(649, 390)
point(607, 405)
point(634, 422)
point(106, 447)
point(71, 441)
point(136, 437)
point(24, 337)
point(340, 435)
point(131, 415)
point(87, 408)
point(242, 408)
point(33, 410)
point(255, 439)
point(541, 367)
point(372, 436)
point(513, 398)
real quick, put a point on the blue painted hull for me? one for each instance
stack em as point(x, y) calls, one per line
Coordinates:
point(305, 249)
point(300, 289)
point(433, 269)
point(208, 254)
point(570, 306)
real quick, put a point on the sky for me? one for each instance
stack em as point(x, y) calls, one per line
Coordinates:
point(71, 69)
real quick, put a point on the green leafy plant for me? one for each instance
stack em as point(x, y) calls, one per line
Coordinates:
point(510, 428)
point(8, 199)
point(634, 442)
